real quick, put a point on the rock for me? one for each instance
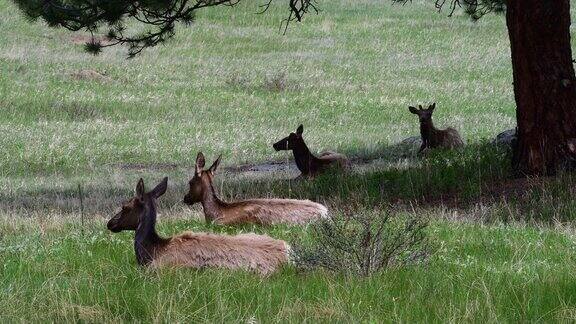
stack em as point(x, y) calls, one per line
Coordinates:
point(414, 141)
point(506, 138)
point(408, 146)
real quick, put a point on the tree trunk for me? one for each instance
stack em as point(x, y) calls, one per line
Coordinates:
point(544, 85)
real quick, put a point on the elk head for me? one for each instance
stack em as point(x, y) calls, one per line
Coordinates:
point(129, 216)
point(201, 182)
point(291, 141)
point(425, 115)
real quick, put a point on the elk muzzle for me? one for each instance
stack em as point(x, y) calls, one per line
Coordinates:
point(188, 200)
point(113, 225)
point(281, 145)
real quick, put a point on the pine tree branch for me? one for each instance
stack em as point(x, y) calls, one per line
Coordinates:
point(474, 8)
point(161, 16)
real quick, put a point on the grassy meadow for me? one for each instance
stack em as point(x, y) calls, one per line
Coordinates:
point(233, 84)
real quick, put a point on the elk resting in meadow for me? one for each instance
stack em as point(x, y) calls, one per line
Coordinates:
point(257, 211)
point(258, 253)
point(308, 164)
point(433, 137)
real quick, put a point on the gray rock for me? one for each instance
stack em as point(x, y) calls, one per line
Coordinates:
point(408, 146)
point(414, 141)
point(506, 138)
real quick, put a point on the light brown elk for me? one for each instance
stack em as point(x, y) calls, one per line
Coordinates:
point(308, 164)
point(258, 253)
point(256, 211)
point(433, 137)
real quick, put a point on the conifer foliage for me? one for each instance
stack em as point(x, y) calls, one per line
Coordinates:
point(111, 17)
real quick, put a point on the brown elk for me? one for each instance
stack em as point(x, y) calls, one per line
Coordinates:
point(308, 164)
point(433, 137)
point(258, 253)
point(256, 211)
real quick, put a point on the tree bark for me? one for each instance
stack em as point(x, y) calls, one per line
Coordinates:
point(544, 85)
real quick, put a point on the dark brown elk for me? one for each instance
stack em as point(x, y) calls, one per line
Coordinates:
point(433, 137)
point(258, 253)
point(308, 164)
point(256, 211)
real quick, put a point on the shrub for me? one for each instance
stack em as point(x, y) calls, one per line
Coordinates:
point(363, 243)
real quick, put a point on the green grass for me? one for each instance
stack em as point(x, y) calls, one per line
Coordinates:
point(351, 73)
point(478, 273)
point(505, 249)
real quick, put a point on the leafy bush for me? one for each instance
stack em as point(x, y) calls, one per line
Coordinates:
point(363, 243)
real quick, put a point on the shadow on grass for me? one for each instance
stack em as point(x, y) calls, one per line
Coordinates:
point(392, 178)
point(439, 174)
point(405, 151)
point(475, 177)
point(480, 174)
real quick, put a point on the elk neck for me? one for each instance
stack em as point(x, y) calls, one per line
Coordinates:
point(303, 157)
point(211, 204)
point(427, 129)
point(146, 240)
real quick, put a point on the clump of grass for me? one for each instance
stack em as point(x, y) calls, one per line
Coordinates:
point(364, 243)
point(278, 82)
point(76, 111)
point(236, 80)
point(543, 201)
point(273, 82)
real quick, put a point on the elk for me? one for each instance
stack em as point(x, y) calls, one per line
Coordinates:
point(308, 164)
point(433, 137)
point(259, 253)
point(255, 211)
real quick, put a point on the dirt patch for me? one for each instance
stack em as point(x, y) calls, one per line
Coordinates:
point(145, 166)
point(90, 75)
point(270, 166)
point(283, 166)
point(263, 168)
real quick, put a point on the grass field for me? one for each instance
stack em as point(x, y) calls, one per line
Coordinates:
point(232, 84)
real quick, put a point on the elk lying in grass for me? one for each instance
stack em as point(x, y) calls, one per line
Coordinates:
point(308, 164)
point(259, 253)
point(257, 211)
point(433, 137)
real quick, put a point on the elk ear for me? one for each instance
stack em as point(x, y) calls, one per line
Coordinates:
point(413, 110)
point(140, 189)
point(215, 165)
point(300, 129)
point(432, 106)
point(160, 189)
point(200, 162)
